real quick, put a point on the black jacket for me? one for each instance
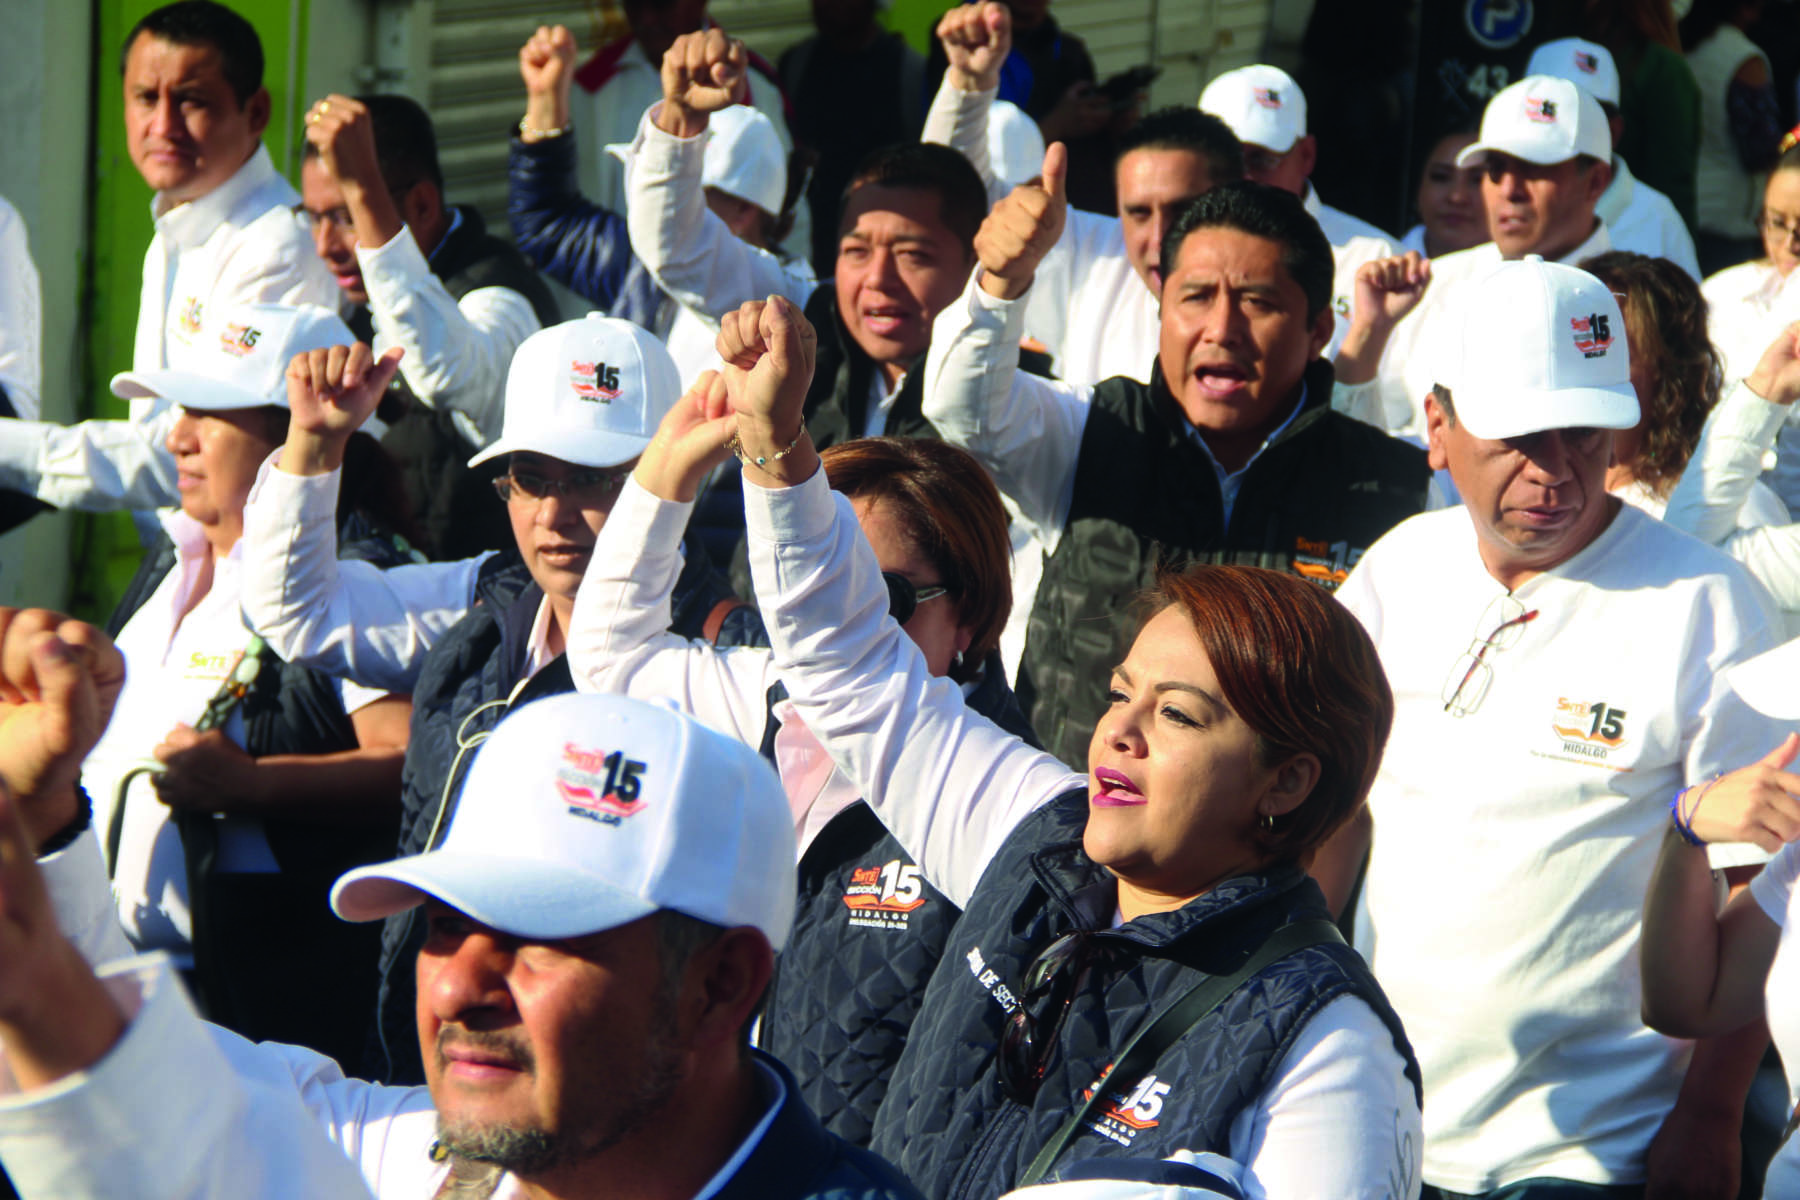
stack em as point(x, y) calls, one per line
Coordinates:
point(1146, 497)
point(868, 932)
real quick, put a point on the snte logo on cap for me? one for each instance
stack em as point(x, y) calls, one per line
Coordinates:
point(189, 317)
point(1593, 334)
point(238, 340)
point(594, 381)
point(1586, 62)
point(1540, 109)
point(600, 785)
point(1267, 97)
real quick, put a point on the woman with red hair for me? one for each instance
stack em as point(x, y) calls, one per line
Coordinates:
point(1143, 967)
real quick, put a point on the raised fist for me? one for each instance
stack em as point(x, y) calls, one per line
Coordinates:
point(1389, 288)
point(547, 65)
point(331, 392)
point(768, 348)
point(1022, 228)
point(342, 131)
point(701, 74)
point(977, 38)
point(1777, 374)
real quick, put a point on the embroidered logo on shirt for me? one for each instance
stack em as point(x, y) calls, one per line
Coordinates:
point(600, 786)
point(989, 978)
point(1593, 334)
point(1325, 563)
point(594, 381)
point(1123, 1115)
point(1266, 97)
point(188, 318)
point(239, 340)
point(1540, 110)
point(885, 897)
point(1586, 731)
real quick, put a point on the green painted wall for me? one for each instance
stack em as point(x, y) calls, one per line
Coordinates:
point(106, 547)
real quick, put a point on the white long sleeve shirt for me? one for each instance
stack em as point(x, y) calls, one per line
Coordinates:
point(238, 244)
point(1643, 220)
point(350, 619)
point(1339, 1119)
point(21, 316)
point(1721, 501)
point(457, 351)
point(691, 252)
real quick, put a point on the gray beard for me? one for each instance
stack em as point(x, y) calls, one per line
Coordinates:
point(529, 1150)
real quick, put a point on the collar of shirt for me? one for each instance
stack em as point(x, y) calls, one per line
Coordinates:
point(881, 402)
point(190, 224)
point(1229, 482)
point(537, 647)
point(456, 222)
point(191, 549)
point(775, 1092)
point(1617, 196)
point(1310, 201)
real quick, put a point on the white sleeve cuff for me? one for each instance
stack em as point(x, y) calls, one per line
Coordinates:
point(21, 454)
point(781, 516)
point(1746, 416)
point(81, 895)
point(660, 152)
point(286, 501)
point(648, 519)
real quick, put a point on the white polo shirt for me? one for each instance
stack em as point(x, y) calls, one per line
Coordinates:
point(1513, 846)
point(174, 665)
point(239, 244)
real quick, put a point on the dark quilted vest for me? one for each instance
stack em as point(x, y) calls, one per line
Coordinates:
point(473, 676)
point(1146, 498)
point(945, 1121)
point(453, 502)
point(868, 932)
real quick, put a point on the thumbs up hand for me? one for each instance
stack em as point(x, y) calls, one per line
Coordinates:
point(1022, 228)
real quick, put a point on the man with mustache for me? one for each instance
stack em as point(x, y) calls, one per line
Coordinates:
point(604, 915)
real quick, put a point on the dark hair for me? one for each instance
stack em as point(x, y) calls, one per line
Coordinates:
point(927, 167)
point(951, 508)
point(1271, 213)
point(1665, 326)
point(1301, 672)
point(1629, 25)
point(405, 144)
point(1191, 130)
point(678, 938)
point(204, 23)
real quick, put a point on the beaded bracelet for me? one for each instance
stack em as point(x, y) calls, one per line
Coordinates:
point(1684, 822)
point(736, 446)
point(532, 133)
point(65, 837)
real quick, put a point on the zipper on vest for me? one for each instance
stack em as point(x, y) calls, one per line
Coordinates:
point(984, 1172)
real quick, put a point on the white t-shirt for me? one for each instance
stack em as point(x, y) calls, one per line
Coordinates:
point(174, 665)
point(1513, 846)
point(1774, 893)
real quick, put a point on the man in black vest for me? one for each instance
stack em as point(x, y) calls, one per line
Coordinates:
point(428, 278)
point(1231, 453)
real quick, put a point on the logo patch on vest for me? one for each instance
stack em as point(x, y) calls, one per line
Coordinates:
point(598, 786)
point(989, 978)
point(1123, 1115)
point(1586, 731)
point(1325, 563)
point(885, 897)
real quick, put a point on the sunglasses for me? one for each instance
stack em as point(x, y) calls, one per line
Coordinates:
point(588, 484)
point(905, 596)
point(1051, 982)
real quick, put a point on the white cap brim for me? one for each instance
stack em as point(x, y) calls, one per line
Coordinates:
point(1476, 155)
point(584, 448)
point(524, 897)
point(1518, 413)
point(190, 390)
point(1770, 682)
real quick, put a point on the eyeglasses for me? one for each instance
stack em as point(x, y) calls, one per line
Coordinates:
point(338, 219)
point(1467, 685)
point(1776, 225)
point(578, 486)
point(905, 596)
point(1051, 982)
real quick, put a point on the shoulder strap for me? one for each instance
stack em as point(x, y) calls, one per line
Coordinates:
point(715, 619)
point(1149, 1042)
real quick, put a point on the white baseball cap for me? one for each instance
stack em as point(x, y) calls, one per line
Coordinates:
point(1770, 682)
point(1587, 65)
point(1015, 144)
point(744, 157)
point(1262, 105)
point(584, 812)
point(1544, 120)
point(590, 392)
point(1536, 345)
point(241, 360)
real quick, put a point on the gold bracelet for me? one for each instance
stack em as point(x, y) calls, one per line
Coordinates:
point(533, 134)
point(736, 446)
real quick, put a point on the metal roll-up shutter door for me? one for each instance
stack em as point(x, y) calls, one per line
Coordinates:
point(472, 65)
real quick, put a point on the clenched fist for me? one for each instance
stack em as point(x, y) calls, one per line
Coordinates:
point(701, 74)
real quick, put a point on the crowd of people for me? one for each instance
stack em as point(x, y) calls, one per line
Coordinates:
point(1015, 652)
